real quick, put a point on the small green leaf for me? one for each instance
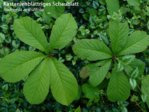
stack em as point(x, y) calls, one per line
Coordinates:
point(138, 64)
point(63, 31)
point(120, 65)
point(78, 109)
point(138, 42)
point(145, 89)
point(54, 11)
point(91, 50)
point(37, 86)
point(97, 74)
point(127, 59)
point(30, 32)
point(2, 38)
point(135, 68)
point(134, 2)
point(135, 73)
point(69, 0)
point(118, 33)
point(84, 73)
point(63, 84)
point(112, 6)
point(118, 87)
point(16, 66)
point(90, 91)
point(133, 83)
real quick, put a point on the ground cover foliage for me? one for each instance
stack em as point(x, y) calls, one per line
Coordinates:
point(103, 51)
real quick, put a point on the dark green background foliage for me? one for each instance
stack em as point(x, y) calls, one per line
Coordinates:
point(93, 19)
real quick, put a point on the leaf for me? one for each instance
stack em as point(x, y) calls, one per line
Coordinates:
point(90, 92)
point(133, 83)
point(97, 74)
point(127, 59)
point(78, 109)
point(37, 86)
point(138, 42)
point(30, 32)
point(145, 88)
point(63, 84)
point(118, 33)
point(63, 31)
point(54, 11)
point(134, 68)
point(134, 2)
point(118, 87)
point(69, 0)
point(91, 50)
point(138, 64)
point(16, 66)
point(84, 73)
point(112, 6)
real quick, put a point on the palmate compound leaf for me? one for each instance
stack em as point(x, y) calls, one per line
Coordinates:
point(51, 74)
point(118, 87)
point(16, 66)
point(97, 74)
point(63, 31)
point(138, 42)
point(91, 49)
point(118, 33)
point(30, 32)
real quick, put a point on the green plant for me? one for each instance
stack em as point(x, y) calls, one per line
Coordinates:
point(112, 8)
point(54, 11)
point(145, 89)
point(115, 60)
point(40, 69)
